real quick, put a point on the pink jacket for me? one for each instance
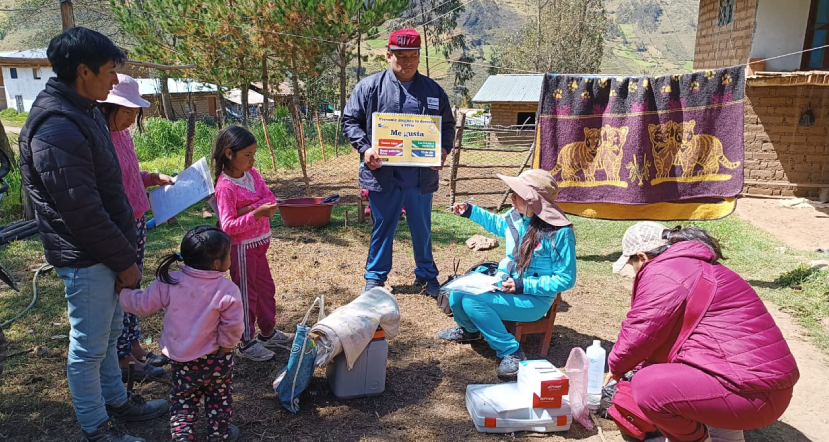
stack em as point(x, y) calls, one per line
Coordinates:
point(135, 181)
point(736, 341)
point(204, 312)
point(233, 194)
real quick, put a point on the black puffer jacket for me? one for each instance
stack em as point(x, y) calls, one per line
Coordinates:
point(70, 168)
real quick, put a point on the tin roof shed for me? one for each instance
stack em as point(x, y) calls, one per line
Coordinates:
point(514, 88)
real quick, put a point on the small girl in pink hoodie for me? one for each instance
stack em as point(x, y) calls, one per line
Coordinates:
point(203, 321)
point(245, 205)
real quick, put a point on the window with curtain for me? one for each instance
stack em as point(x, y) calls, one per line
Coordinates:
point(817, 35)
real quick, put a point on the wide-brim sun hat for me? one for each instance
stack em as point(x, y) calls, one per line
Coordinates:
point(641, 237)
point(538, 188)
point(126, 93)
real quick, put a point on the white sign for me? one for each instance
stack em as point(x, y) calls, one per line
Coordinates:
point(192, 186)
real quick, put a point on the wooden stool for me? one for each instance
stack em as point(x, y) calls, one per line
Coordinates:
point(543, 325)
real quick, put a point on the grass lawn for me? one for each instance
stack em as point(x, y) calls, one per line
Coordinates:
point(426, 380)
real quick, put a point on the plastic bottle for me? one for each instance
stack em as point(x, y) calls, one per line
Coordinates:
point(595, 375)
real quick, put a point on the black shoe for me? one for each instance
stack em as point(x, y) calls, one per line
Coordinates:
point(136, 409)
point(148, 371)
point(372, 283)
point(233, 434)
point(419, 282)
point(508, 368)
point(156, 360)
point(459, 334)
point(433, 288)
point(108, 432)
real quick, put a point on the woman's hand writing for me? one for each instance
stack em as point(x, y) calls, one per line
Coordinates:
point(508, 286)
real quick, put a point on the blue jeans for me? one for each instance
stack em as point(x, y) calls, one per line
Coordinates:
point(385, 210)
point(486, 312)
point(96, 321)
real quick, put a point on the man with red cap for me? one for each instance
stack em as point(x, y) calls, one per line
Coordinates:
point(400, 89)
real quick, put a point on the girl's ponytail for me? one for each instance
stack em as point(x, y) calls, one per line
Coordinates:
point(162, 273)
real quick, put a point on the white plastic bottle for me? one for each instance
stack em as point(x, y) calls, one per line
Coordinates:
point(595, 375)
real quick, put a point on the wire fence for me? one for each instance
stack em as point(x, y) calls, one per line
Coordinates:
point(470, 171)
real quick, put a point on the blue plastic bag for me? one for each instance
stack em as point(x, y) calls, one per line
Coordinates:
point(295, 377)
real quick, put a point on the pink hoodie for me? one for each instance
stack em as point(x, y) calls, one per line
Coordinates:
point(204, 312)
point(736, 341)
point(233, 194)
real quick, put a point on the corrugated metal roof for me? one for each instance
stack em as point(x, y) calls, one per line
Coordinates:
point(151, 86)
point(29, 53)
point(510, 88)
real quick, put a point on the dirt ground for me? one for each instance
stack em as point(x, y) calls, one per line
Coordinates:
point(426, 379)
point(804, 229)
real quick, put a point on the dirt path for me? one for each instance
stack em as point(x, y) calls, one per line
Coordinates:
point(805, 419)
point(12, 129)
point(805, 229)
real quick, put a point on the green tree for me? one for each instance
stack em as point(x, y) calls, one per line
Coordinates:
point(565, 36)
point(214, 35)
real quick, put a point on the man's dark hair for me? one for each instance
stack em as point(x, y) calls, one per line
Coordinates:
point(76, 46)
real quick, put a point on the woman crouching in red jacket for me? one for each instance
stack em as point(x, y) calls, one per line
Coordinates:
point(733, 372)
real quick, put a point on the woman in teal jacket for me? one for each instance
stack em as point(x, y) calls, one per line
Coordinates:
point(540, 263)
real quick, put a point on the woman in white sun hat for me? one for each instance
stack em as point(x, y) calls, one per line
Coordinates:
point(122, 108)
point(711, 362)
point(540, 263)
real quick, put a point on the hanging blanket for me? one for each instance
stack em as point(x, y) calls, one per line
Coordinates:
point(658, 148)
point(351, 327)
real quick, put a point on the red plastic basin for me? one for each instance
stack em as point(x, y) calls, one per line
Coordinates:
point(303, 212)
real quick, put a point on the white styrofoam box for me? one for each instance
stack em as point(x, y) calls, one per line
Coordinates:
point(501, 408)
point(542, 385)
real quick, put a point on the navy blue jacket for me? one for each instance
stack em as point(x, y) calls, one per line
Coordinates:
point(382, 92)
point(69, 167)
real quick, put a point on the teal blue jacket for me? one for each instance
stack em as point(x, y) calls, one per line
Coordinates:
point(553, 266)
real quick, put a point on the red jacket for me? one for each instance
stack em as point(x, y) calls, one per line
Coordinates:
point(736, 341)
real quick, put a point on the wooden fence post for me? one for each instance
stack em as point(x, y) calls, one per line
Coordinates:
point(267, 136)
point(299, 133)
point(191, 136)
point(456, 156)
point(319, 132)
point(521, 169)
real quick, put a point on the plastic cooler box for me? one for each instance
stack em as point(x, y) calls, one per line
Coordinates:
point(501, 408)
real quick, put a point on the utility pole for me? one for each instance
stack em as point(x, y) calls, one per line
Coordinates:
point(67, 18)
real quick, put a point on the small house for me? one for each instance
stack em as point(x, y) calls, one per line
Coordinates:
point(512, 98)
point(787, 96)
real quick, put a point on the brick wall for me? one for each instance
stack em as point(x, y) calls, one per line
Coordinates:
point(779, 153)
point(180, 105)
point(728, 45)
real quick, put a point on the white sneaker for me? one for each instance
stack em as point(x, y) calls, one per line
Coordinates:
point(723, 435)
point(254, 351)
point(276, 340)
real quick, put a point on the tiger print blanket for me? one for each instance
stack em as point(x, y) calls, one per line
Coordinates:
point(658, 148)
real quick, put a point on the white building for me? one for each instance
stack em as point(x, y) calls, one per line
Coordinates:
point(24, 75)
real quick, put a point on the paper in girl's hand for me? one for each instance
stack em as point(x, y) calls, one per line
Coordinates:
point(475, 283)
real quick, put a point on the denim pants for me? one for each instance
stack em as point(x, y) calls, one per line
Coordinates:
point(486, 312)
point(385, 210)
point(96, 321)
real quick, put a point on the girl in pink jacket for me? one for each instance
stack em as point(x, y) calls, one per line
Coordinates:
point(203, 321)
point(734, 371)
point(245, 205)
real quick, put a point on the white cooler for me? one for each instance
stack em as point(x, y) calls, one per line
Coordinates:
point(501, 408)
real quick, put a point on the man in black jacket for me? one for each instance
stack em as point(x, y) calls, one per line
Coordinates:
point(71, 171)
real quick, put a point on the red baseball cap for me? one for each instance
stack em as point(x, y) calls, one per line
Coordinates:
point(403, 39)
